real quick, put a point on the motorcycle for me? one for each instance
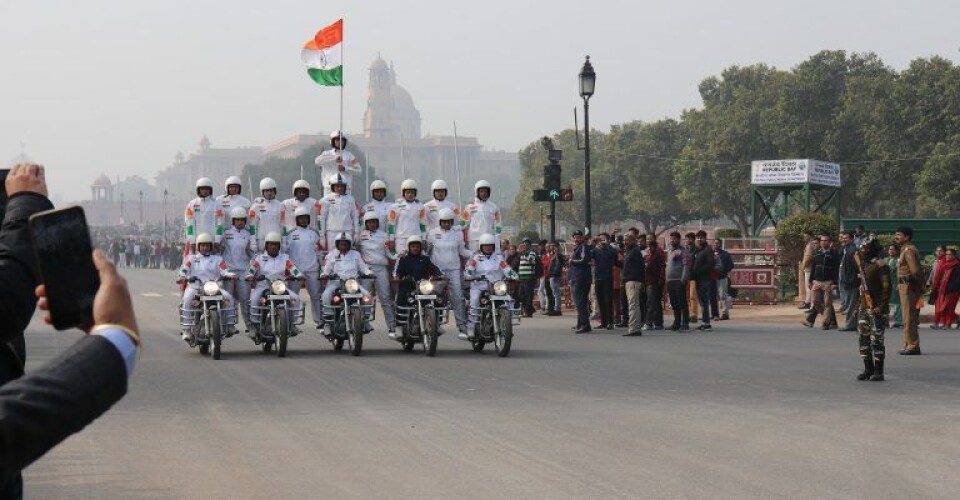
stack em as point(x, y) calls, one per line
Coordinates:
point(421, 312)
point(495, 317)
point(351, 310)
point(275, 316)
point(209, 320)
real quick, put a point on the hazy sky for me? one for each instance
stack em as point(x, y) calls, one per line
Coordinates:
point(121, 86)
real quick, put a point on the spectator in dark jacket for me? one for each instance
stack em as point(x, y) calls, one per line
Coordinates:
point(849, 281)
point(825, 272)
point(724, 265)
point(555, 274)
point(633, 276)
point(580, 279)
point(604, 258)
point(703, 273)
point(653, 279)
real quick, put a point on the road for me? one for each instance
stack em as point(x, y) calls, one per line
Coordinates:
point(751, 410)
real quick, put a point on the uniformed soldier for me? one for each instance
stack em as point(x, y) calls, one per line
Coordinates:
point(406, 217)
point(373, 248)
point(378, 203)
point(910, 288)
point(266, 215)
point(237, 255)
point(446, 247)
point(875, 290)
point(481, 217)
point(302, 244)
point(337, 160)
point(439, 202)
point(233, 199)
point(301, 198)
point(201, 215)
point(338, 213)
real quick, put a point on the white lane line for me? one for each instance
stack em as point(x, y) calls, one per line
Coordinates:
point(151, 294)
point(175, 294)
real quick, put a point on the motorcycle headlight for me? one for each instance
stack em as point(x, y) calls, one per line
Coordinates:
point(425, 287)
point(211, 288)
point(351, 286)
point(278, 287)
point(500, 288)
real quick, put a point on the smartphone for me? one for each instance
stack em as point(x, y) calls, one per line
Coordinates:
point(64, 253)
point(3, 192)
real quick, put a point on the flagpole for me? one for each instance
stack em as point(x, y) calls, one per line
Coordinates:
point(403, 161)
point(456, 164)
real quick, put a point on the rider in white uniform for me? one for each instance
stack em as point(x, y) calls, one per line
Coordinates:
point(301, 198)
point(337, 160)
point(205, 266)
point(302, 244)
point(338, 213)
point(439, 202)
point(231, 200)
point(201, 214)
point(446, 247)
point(406, 217)
point(272, 264)
point(486, 263)
point(378, 203)
point(344, 263)
point(481, 217)
point(266, 215)
point(373, 248)
point(237, 255)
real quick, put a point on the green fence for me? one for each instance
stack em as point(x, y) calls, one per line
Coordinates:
point(927, 233)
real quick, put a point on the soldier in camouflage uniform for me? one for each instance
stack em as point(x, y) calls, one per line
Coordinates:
point(875, 291)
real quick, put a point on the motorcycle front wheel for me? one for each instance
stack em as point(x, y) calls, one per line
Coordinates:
point(282, 333)
point(431, 334)
point(356, 338)
point(215, 328)
point(504, 338)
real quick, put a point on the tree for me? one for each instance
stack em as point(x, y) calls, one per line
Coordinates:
point(938, 184)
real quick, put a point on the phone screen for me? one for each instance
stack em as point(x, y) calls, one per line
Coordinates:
point(61, 243)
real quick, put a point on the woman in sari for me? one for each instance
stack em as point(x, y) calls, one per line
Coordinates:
point(946, 285)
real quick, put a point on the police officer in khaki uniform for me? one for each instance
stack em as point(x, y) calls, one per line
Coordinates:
point(910, 287)
point(806, 267)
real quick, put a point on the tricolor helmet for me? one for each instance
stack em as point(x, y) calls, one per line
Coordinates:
point(336, 134)
point(337, 179)
point(445, 214)
point(204, 238)
point(301, 184)
point(438, 184)
point(267, 183)
point(204, 182)
point(233, 180)
point(238, 213)
point(272, 238)
point(408, 184)
point(378, 184)
point(487, 239)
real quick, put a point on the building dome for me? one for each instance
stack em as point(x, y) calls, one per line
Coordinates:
point(102, 181)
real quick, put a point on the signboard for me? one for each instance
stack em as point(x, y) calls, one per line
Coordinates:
point(752, 277)
point(771, 172)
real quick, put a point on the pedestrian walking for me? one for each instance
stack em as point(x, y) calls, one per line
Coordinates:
point(823, 279)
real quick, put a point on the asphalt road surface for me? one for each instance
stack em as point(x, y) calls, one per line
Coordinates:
point(752, 410)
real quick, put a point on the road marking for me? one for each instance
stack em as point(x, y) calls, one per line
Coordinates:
point(151, 294)
point(175, 294)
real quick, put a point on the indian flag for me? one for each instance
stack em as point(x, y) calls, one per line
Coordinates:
point(323, 55)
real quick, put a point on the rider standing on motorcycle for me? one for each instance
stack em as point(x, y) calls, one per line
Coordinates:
point(271, 265)
point(338, 213)
point(237, 255)
point(345, 263)
point(301, 198)
point(493, 267)
point(406, 218)
point(378, 204)
point(266, 215)
point(201, 215)
point(439, 202)
point(337, 160)
point(302, 244)
point(205, 266)
point(446, 247)
point(413, 264)
point(481, 217)
point(372, 245)
point(231, 200)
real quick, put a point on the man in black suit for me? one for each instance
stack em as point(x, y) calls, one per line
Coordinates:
point(41, 409)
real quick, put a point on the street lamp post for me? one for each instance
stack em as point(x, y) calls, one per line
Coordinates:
point(588, 80)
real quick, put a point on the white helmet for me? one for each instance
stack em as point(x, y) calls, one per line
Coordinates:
point(301, 184)
point(414, 239)
point(336, 179)
point(445, 214)
point(438, 184)
point(487, 239)
point(371, 215)
point(273, 237)
point(238, 213)
point(267, 183)
point(342, 237)
point(378, 184)
point(408, 184)
point(231, 181)
point(336, 134)
point(481, 184)
point(204, 182)
point(204, 238)
point(300, 211)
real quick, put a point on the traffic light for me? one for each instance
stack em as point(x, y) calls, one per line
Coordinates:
point(566, 195)
point(551, 176)
point(557, 195)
